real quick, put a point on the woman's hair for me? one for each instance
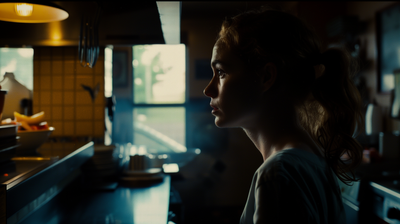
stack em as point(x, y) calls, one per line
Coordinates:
point(329, 106)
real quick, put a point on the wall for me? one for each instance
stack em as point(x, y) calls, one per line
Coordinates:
point(366, 12)
point(318, 14)
point(68, 107)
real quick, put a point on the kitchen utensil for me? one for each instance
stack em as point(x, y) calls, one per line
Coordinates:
point(88, 49)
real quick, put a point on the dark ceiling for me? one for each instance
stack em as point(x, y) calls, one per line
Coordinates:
point(204, 9)
point(119, 25)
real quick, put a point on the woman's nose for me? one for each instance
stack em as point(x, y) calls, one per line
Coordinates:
point(210, 91)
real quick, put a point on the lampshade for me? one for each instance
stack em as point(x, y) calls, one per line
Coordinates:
point(31, 12)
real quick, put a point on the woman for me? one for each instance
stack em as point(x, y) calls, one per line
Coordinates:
point(298, 106)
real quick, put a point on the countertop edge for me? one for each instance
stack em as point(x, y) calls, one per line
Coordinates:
point(24, 190)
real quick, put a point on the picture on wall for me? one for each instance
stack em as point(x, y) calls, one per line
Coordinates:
point(388, 42)
point(120, 68)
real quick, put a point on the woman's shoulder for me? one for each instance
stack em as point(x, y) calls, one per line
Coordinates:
point(289, 160)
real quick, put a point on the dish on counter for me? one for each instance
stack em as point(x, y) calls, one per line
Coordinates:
point(32, 131)
point(29, 141)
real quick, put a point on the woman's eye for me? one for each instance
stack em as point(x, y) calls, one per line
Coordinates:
point(221, 73)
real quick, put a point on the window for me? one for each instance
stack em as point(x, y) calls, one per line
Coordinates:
point(159, 74)
point(18, 61)
point(159, 88)
point(158, 96)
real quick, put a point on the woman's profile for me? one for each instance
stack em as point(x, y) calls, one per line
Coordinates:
point(299, 107)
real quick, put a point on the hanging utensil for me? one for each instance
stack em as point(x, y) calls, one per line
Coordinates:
point(89, 49)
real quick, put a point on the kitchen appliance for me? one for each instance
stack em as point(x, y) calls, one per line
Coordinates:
point(386, 200)
point(16, 92)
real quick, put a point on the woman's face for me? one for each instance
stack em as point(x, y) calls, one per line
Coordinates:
point(234, 91)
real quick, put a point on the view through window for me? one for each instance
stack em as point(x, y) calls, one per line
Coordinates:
point(159, 96)
point(18, 61)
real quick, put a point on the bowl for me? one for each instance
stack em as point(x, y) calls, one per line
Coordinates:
point(29, 141)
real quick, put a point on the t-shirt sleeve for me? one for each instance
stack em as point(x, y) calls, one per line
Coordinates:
point(277, 199)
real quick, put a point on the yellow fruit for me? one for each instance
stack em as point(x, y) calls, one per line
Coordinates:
point(34, 119)
point(19, 117)
point(26, 126)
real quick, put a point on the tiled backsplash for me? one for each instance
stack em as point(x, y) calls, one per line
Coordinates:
point(58, 91)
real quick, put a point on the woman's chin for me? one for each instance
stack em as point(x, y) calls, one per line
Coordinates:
point(222, 123)
point(219, 122)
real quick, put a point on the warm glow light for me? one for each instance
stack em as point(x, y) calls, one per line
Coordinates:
point(23, 9)
point(55, 29)
point(6, 174)
point(23, 12)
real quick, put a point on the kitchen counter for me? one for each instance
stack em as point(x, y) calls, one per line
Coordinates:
point(124, 204)
point(53, 189)
point(29, 182)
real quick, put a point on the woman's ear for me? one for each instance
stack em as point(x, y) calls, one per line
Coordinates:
point(268, 76)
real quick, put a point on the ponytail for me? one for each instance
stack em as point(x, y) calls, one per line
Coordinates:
point(340, 114)
point(328, 104)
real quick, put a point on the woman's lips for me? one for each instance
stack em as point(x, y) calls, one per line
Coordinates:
point(215, 109)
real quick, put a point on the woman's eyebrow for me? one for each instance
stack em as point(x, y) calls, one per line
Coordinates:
point(216, 62)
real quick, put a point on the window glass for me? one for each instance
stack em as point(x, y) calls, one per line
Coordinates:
point(20, 62)
point(161, 129)
point(108, 82)
point(159, 74)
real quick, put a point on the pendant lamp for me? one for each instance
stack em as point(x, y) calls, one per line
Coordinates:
point(31, 12)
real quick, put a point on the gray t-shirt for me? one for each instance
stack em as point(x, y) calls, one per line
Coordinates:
point(294, 186)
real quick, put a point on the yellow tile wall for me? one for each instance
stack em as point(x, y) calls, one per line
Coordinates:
point(68, 107)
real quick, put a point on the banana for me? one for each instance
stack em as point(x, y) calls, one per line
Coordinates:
point(34, 119)
point(19, 117)
point(26, 126)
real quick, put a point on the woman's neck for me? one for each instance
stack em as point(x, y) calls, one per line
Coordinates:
point(272, 134)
